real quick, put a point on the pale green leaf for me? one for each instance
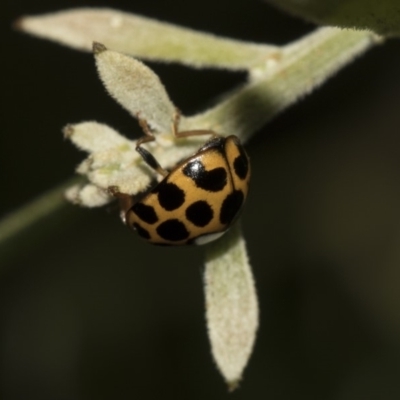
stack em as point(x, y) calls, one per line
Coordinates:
point(144, 38)
point(231, 305)
point(136, 87)
point(92, 136)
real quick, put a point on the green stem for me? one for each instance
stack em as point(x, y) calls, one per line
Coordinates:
point(18, 221)
point(304, 65)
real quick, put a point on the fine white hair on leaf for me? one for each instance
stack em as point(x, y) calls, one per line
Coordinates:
point(145, 38)
point(231, 305)
point(93, 136)
point(88, 195)
point(113, 161)
point(136, 87)
point(277, 77)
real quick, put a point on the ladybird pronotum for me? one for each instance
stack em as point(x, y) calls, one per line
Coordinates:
point(197, 201)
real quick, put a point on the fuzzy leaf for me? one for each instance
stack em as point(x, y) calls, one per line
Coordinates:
point(88, 195)
point(92, 136)
point(144, 38)
point(231, 305)
point(381, 16)
point(136, 87)
point(113, 161)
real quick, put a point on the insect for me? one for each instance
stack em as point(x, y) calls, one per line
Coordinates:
point(198, 200)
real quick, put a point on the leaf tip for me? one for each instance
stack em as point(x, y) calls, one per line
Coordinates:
point(233, 385)
point(68, 131)
point(18, 24)
point(98, 48)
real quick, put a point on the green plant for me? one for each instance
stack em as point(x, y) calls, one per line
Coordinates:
point(277, 77)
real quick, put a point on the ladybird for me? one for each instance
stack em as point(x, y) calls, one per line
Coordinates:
point(198, 200)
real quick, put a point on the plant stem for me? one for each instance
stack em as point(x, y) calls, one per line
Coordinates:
point(21, 219)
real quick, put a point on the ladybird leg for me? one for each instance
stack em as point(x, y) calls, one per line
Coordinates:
point(148, 158)
point(194, 132)
point(175, 122)
point(125, 200)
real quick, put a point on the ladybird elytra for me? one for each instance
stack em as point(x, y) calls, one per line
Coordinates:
point(199, 199)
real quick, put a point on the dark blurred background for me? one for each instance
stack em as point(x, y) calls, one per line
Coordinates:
point(89, 311)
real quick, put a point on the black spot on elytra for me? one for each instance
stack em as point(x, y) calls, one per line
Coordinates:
point(241, 164)
point(199, 213)
point(170, 196)
point(145, 213)
point(173, 230)
point(212, 181)
point(231, 206)
point(141, 231)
